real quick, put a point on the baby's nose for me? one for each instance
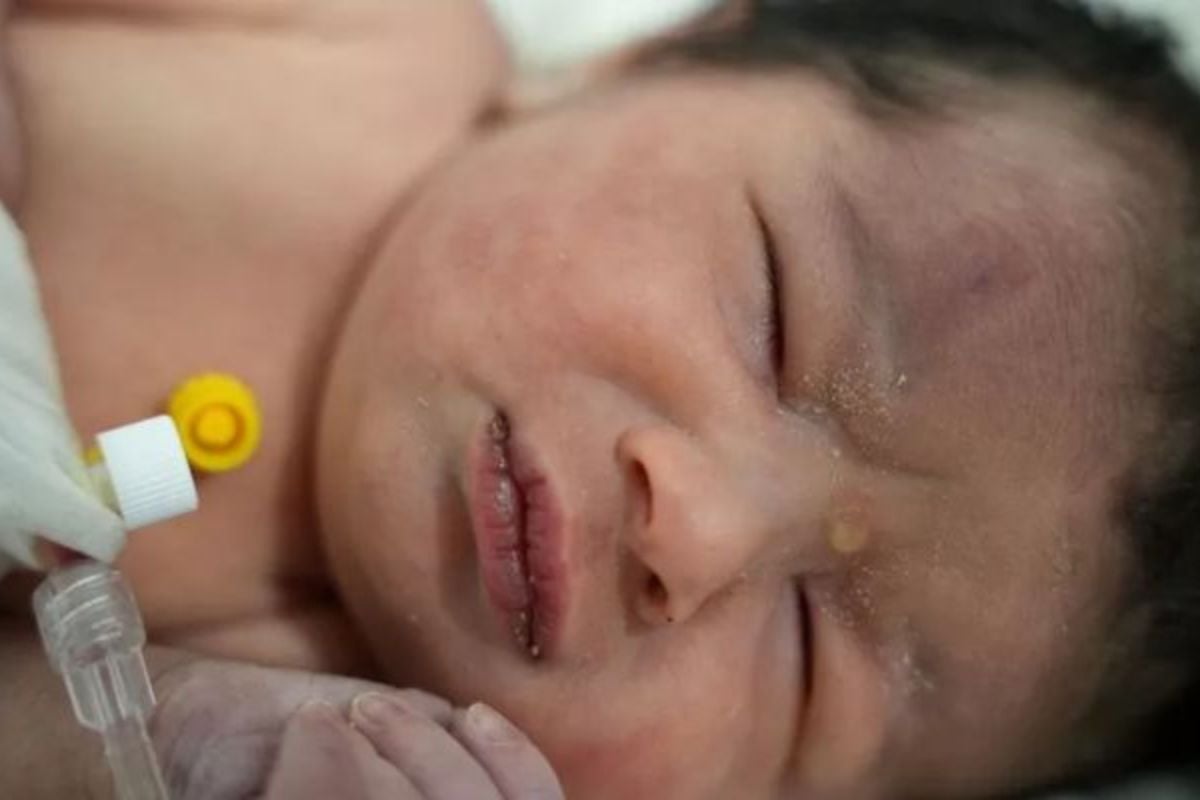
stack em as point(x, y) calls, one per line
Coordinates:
point(702, 518)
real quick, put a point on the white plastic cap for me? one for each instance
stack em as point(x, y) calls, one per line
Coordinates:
point(148, 471)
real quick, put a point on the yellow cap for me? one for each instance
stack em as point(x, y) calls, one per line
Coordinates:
point(218, 421)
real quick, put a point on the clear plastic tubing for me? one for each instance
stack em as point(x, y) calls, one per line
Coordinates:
point(93, 634)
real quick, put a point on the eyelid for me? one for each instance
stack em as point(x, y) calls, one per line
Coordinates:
point(775, 340)
point(804, 618)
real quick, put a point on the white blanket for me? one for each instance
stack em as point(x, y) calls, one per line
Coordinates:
point(552, 34)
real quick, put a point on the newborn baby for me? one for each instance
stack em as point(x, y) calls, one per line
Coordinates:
point(782, 418)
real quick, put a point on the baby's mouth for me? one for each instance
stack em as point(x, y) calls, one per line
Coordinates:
point(518, 539)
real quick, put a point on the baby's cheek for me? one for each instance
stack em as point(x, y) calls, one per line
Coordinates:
point(678, 750)
point(645, 763)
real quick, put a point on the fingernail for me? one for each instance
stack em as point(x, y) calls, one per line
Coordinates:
point(377, 708)
point(487, 723)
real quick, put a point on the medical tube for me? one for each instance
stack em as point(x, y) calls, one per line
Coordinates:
point(93, 634)
point(86, 614)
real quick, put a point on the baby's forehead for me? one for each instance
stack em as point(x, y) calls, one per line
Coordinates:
point(1030, 194)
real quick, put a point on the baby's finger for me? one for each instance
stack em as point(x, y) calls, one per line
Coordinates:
point(322, 756)
point(515, 764)
point(424, 751)
point(423, 703)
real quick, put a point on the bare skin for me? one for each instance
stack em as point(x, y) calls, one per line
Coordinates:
point(206, 145)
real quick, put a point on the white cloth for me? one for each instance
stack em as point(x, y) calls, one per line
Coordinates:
point(1180, 17)
point(42, 476)
point(547, 35)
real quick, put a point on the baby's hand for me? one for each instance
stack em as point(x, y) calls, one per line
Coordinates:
point(219, 725)
point(229, 731)
point(394, 749)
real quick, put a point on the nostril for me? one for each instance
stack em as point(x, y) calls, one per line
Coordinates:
point(657, 598)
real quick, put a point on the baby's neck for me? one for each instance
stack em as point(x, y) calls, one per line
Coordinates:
point(128, 331)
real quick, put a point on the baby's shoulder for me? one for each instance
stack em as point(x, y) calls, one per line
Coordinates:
point(328, 19)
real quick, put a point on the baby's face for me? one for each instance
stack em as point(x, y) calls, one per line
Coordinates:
point(785, 442)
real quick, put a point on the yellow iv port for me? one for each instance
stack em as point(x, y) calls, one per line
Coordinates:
point(218, 420)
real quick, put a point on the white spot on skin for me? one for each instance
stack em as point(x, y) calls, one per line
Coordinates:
point(521, 627)
point(913, 678)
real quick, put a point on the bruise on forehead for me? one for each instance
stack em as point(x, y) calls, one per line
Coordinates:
point(1009, 237)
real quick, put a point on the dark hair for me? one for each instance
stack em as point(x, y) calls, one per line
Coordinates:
point(1149, 703)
